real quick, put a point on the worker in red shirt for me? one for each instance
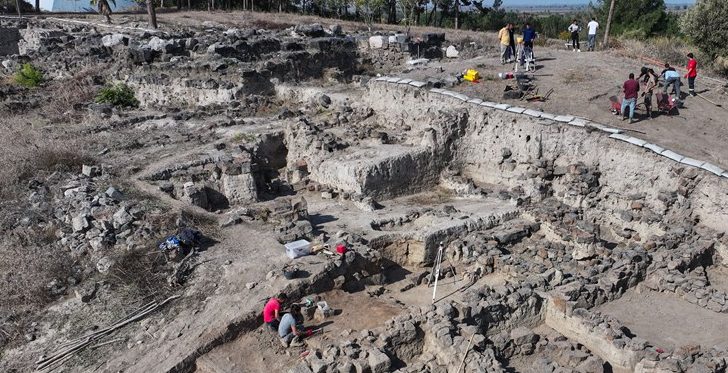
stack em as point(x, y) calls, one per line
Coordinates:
point(272, 311)
point(631, 89)
point(692, 73)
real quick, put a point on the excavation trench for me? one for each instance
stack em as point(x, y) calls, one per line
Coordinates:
point(513, 183)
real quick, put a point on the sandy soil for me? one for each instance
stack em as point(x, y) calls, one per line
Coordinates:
point(668, 321)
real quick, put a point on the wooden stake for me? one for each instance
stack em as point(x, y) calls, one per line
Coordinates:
point(466, 353)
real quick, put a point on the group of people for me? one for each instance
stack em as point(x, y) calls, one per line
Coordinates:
point(289, 326)
point(509, 42)
point(650, 79)
point(575, 29)
point(507, 39)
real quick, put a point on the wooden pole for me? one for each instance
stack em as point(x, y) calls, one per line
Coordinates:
point(609, 24)
point(466, 353)
point(438, 262)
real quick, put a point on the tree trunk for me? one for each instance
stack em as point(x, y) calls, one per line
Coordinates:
point(37, 6)
point(392, 16)
point(152, 14)
point(179, 4)
point(457, 14)
point(609, 24)
point(189, 4)
point(17, 6)
point(432, 12)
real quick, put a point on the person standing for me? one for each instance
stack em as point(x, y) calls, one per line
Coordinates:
point(512, 42)
point(651, 83)
point(574, 30)
point(631, 88)
point(529, 35)
point(504, 39)
point(692, 73)
point(592, 34)
point(272, 311)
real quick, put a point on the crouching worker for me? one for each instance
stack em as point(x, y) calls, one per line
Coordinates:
point(291, 327)
point(272, 311)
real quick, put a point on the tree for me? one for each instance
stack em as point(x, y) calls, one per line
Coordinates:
point(609, 24)
point(370, 9)
point(705, 24)
point(408, 9)
point(152, 13)
point(635, 18)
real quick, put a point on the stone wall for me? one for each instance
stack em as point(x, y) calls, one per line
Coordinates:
point(9, 38)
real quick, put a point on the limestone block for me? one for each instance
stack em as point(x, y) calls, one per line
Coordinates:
point(451, 52)
point(655, 148)
point(113, 40)
point(378, 42)
point(239, 188)
point(379, 362)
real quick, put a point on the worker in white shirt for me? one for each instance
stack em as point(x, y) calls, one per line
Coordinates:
point(592, 34)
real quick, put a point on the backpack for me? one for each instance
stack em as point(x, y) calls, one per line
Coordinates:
point(170, 243)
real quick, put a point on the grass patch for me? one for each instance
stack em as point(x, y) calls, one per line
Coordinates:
point(241, 137)
point(118, 94)
point(29, 76)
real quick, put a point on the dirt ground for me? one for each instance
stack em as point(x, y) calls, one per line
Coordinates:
point(582, 84)
point(668, 321)
point(260, 350)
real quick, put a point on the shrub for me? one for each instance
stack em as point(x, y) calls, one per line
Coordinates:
point(118, 95)
point(705, 24)
point(29, 76)
point(565, 35)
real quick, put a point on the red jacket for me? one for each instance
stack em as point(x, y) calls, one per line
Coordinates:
point(692, 68)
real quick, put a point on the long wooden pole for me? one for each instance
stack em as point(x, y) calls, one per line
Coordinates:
point(466, 353)
point(609, 24)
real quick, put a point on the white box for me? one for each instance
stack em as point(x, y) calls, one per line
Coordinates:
point(297, 249)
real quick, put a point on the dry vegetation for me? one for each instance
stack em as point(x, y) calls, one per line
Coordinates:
point(31, 266)
point(68, 96)
point(30, 151)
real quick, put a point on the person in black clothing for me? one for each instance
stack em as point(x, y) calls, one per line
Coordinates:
point(667, 68)
point(512, 40)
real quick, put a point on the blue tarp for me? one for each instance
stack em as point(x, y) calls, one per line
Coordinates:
point(81, 6)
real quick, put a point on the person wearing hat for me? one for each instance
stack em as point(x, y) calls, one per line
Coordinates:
point(692, 73)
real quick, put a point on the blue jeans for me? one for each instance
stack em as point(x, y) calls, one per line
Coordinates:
point(592, 41)
point(631, 102)
point(676, 83)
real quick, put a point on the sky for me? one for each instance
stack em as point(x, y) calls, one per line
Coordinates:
point(507, 3)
